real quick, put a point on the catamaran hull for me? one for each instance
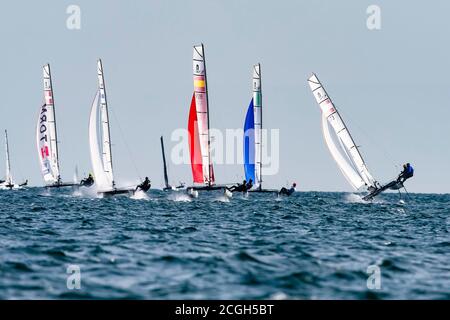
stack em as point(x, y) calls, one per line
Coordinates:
point(393, 185)
point(62, 185)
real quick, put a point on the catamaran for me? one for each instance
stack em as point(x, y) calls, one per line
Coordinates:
point(100, 147)
point(8, 183)
point(167, 186)
point(47, 138)
point(253, 135)
point(346, 152)
point(198, 127)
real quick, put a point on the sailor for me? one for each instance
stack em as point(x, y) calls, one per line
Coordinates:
point(408, 172)
point(288, 192)
point(239, 187)
point(145, 185)
point(89, 181)
point(249, 185)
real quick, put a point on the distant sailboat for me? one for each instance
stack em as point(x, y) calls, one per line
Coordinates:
point(167, 186)
point(198, 126)
point(346, 152)
point(253, 135)
point(8, 183)
point(46, 137)
point(100, 147)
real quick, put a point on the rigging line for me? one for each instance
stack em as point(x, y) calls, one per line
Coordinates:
point(372, 140)
point(126, 144)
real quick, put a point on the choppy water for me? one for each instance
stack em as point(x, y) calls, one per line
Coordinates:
point(311, 245)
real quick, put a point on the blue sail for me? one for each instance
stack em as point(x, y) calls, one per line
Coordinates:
point(249, 144)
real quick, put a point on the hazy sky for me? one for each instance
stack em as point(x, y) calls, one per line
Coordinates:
point(390, 85)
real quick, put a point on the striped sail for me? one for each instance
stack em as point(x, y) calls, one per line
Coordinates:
point(350, 161)
point(257, 108)
point(46, 138)
point(198, 126)
point(253, 132)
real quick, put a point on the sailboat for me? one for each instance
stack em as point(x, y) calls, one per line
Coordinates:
point(100, 145)
point(346, 153)
point(47, 138)
point(167, 186)
point(8, 183)
point(253, 135)
point(198, 127)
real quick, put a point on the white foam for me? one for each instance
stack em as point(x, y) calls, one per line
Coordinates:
point(140, 195)
point(180, 197)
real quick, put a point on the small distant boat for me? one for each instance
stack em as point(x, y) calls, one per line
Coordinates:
point(345, 152)
point(8, 183)
point(100, 147)
point(167, 186)
point(47, 138)
point(198, 127)
point(253, 135)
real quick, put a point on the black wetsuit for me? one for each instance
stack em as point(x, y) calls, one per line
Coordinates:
point(286, 192)
point(144, 186)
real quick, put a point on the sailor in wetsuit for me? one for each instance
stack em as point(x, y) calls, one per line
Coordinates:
point(89, 181)
point(288, 192)
point(239, 187)
point(249, 185)
point(145, 185)
point(408, 172)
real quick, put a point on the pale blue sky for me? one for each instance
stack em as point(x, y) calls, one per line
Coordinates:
point(391, 86)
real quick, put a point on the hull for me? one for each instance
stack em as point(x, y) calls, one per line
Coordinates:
point(393, 185)
point(263, 191)
point(62, 185)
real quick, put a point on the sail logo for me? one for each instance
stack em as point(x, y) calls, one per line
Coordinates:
point(44, 152)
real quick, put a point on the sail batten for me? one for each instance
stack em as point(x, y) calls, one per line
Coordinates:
point(354, 169)
point(198, 125)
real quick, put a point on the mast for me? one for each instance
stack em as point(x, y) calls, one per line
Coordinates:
point(166, 178)
point(257, 90)
point(50, 101)
point(207, 115)
point(107, 156)
point(8, 165)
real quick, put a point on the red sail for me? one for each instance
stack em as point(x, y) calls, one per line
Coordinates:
point(194, 144)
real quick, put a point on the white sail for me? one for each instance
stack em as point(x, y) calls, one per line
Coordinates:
point(102, 178)
point(257, 108)
point(202, 109)
point(104, 118)
point(46, 138)
point(347, 170)
point(356, 170)
point(8, 177)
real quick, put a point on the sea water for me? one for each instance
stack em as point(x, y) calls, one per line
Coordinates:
point(311, 245)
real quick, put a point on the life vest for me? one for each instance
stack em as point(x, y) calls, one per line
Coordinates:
point(410, 170)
